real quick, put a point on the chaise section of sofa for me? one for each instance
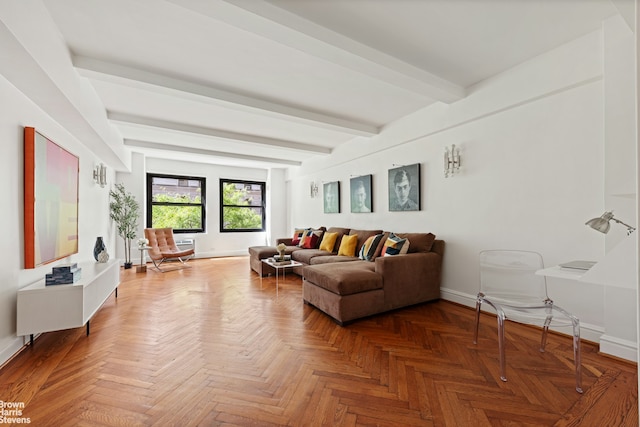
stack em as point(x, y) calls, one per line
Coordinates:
point(354, 290)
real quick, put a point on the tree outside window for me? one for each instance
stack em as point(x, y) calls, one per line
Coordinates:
point(242, 206)
point(176, 202)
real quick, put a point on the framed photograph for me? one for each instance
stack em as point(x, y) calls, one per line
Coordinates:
point(50, 200)
point(404, 188)
point(331, 197)
point(361, 194)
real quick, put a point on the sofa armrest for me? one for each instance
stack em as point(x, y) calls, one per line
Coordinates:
point(286, 240)
point(410, 278)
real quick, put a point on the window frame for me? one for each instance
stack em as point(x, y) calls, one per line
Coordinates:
point(263, 205)
point(202, 204)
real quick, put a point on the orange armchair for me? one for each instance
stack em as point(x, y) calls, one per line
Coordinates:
point(163, 247)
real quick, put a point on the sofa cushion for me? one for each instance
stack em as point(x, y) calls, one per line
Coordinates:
point(370, 247)
point(328, 241)
point(306, 255)
point(395, 245)
point(344, 278)
point(326, 259)
point(348, 245)
point(420, 242)
point(262, 252)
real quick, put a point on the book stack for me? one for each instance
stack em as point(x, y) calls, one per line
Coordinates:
point(276, 260)
point(63, 274)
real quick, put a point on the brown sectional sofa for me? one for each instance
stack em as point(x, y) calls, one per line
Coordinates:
point(348, 288)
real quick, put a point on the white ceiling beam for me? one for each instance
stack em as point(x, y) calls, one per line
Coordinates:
point(204, 152)
point(273, 23)
point(216, 133)
point(34, 58)
point(141, 79)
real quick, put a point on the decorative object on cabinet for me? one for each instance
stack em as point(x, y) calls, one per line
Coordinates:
point(452, 160)
point(361, 194)
point(602, 224)
point(63, 274)
point(50, 200)
point(100, 175)
point(404, 188)
point(100, 251)
point(124, 212)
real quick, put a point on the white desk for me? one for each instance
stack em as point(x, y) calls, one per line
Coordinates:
point(562, 272)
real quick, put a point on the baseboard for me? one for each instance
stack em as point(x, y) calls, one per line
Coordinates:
point(588, 331)
point(218, 254)
point(618, 347)
point(11, 350)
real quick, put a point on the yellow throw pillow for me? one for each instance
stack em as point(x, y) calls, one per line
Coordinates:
point(348, 245)
point(328, 242)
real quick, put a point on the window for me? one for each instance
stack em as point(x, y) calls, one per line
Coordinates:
point(241, 205)
point(177, 202)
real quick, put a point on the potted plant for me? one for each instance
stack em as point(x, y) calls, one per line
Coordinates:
point(125, 211)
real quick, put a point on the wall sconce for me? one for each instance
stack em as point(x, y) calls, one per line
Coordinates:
point(602, 224)
point(100, 175)
point(313, 187)
point(451, 160)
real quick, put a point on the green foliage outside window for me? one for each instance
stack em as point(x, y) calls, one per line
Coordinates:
point(178, 217)
point(176, 202)
point(236, 217)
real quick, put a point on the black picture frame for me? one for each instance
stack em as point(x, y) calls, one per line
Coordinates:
point(331, 197)
point(404, 188)
point(361, 194)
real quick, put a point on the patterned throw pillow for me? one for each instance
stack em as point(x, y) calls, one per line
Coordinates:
point(328, 242)
point(348, 245)
point(395, 245)
point(305, 233)
point(297, 235)
point(368, 250)
point(311, 238)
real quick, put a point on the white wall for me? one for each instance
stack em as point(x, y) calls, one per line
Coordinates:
point(17, 111)
point(532, 143)
point(620, 193)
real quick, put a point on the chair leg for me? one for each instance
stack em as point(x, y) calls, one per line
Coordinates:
point(545, 331)
point(475, 334)
point(501, 319)
point(184, 262)
point(577, 357)
point(157, 265)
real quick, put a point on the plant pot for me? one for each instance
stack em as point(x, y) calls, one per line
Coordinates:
point(127, 265)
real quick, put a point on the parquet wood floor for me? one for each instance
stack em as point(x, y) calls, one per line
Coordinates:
point(212, 346)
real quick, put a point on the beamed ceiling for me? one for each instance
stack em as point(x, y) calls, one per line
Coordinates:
point(265, 83)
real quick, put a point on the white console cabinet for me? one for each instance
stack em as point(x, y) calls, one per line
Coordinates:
point(51, 308)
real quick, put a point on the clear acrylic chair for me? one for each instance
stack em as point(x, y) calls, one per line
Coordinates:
point(508, 283)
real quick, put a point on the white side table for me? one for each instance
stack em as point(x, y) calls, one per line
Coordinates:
point(270, 262)
point(142, 268)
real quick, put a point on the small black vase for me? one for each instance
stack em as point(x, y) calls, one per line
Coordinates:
point(99, 247)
